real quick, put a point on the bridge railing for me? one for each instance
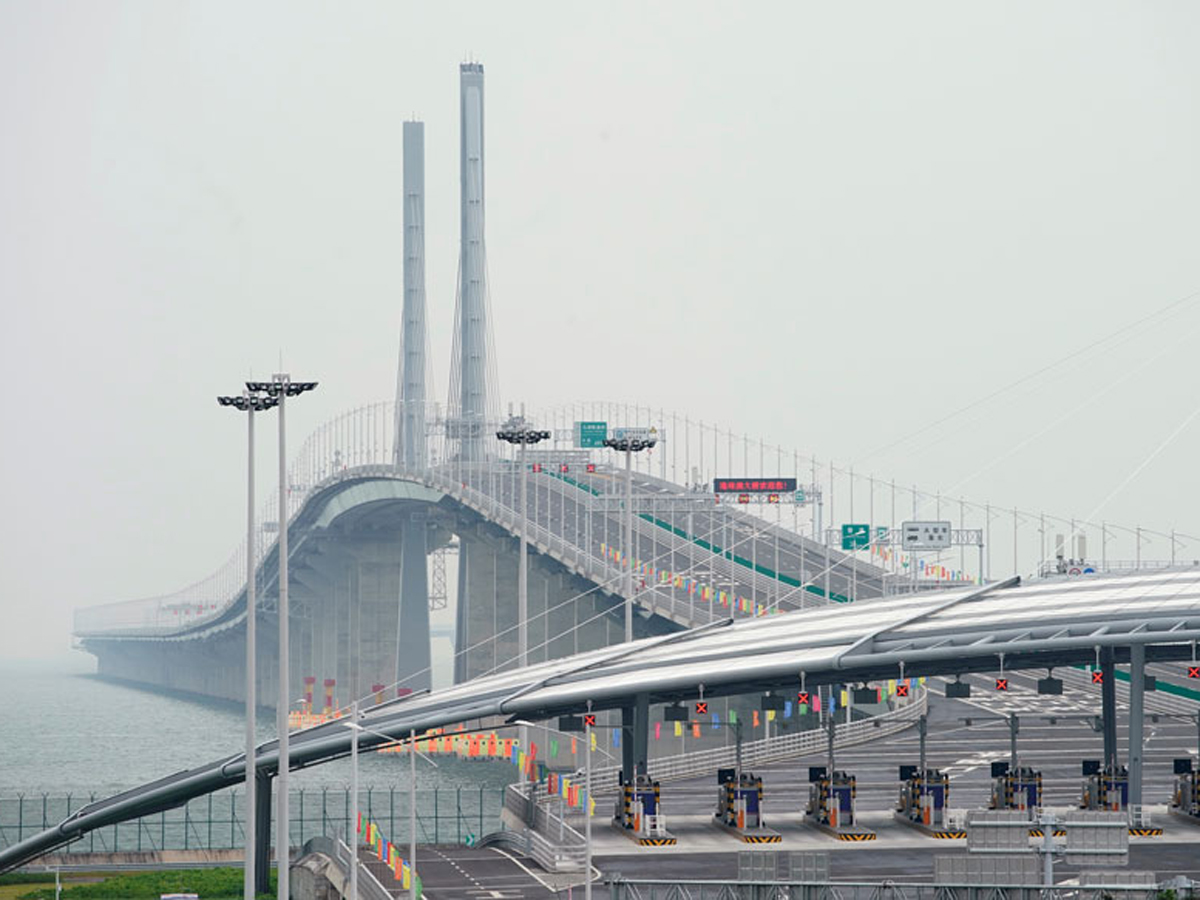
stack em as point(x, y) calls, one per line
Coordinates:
point(689, 455)
point(779, 747)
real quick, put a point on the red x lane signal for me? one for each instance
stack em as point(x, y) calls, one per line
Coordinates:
point(902, 690)
point(536, 467)
point(1098, 677)
point(1002, 684)
point(591, 467)
point(589, 719)
point(702, 708)
point(564, 468)
point(802, 697)
point(1193, 671)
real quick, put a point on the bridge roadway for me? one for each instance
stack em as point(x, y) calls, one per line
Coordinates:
point(946, 633)
point(677, 530)
point(345, 578)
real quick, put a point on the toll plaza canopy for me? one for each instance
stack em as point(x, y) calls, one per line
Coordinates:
point(993, 628)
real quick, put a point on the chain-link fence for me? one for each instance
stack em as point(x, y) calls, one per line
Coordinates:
point(215, 822)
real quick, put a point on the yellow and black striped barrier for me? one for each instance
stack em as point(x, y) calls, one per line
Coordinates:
point(1037, 832)
point(857, 836)
point(949, 835)
point(1145, 832)
point(656, 842)
point(762, 838)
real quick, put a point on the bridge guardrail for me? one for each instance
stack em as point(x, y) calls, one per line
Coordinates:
point(776, 749)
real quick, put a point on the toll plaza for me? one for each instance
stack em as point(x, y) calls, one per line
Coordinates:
point(1104, 787)
point(740, 807)
point(924, 801)
point(1185, 801)
point(832, 794)
point(639, 815)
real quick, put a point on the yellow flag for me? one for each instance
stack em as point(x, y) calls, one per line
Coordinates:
point(591, 807)
point(593, 741)
point(770, 715)
point(678, 729)
point(844, 699)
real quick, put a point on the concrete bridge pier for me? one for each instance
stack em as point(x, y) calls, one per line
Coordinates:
point(412, 637)
point(567, 614)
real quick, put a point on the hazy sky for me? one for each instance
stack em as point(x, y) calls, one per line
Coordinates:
point(827, 224)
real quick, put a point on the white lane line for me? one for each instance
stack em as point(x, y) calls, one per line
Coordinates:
point(534, 875)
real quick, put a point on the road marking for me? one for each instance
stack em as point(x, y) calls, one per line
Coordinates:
point(516, 862)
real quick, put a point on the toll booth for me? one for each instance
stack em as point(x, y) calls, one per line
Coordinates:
point(740, 807)
point(924, 799)
point(1019, 789)
point(1185, 802)
point(639, 813)
point(831, 804)
point(1104, 787)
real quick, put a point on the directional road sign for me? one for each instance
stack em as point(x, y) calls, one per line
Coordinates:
point(856, 537)
point(590, 434)
point(925, 535)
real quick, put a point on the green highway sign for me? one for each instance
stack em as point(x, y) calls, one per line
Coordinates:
point(856, 537)
point(590, 434)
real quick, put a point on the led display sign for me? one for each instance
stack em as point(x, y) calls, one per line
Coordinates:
point(753, 485)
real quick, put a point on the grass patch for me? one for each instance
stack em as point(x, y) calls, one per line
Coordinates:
point(210, 884)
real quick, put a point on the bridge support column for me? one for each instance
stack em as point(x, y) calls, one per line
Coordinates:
point(1108, 706)
point(262, 833)
point(635, 728)
point(1137, 687)
point(412, 641)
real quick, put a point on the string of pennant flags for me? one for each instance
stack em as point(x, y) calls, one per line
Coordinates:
point(689, 585)
point(389, 854)
point(927, 569)
point(556, 784)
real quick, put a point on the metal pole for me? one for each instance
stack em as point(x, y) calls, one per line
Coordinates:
point(523, 576)
point(251, 663)
point(587, 810)
point(412, 812)
point(353, 840)
point(282, 840)
point(629, 543)
point(1137, 685)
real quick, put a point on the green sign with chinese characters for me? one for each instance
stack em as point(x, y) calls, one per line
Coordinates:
point(589, 435)
point(856, 537)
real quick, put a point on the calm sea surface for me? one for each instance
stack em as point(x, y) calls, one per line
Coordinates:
point(66, 731)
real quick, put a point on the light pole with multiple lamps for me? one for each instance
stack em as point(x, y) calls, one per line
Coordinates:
point(630, 441)
point(250, 403)
point(279, 388)
point(518, 431)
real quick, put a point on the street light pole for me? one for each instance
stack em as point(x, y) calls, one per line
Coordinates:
point(354, 841)
point(629, 543)
point(630, 440)
point(587, 809)
point(281, 387)
point(250, 403)
point(251, 662)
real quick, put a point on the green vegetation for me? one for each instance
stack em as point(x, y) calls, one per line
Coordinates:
point(210, 884)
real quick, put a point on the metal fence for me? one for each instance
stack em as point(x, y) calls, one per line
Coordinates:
point(215, 822)
point(643, 889)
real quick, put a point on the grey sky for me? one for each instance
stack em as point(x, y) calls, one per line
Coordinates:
point(827, 224)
